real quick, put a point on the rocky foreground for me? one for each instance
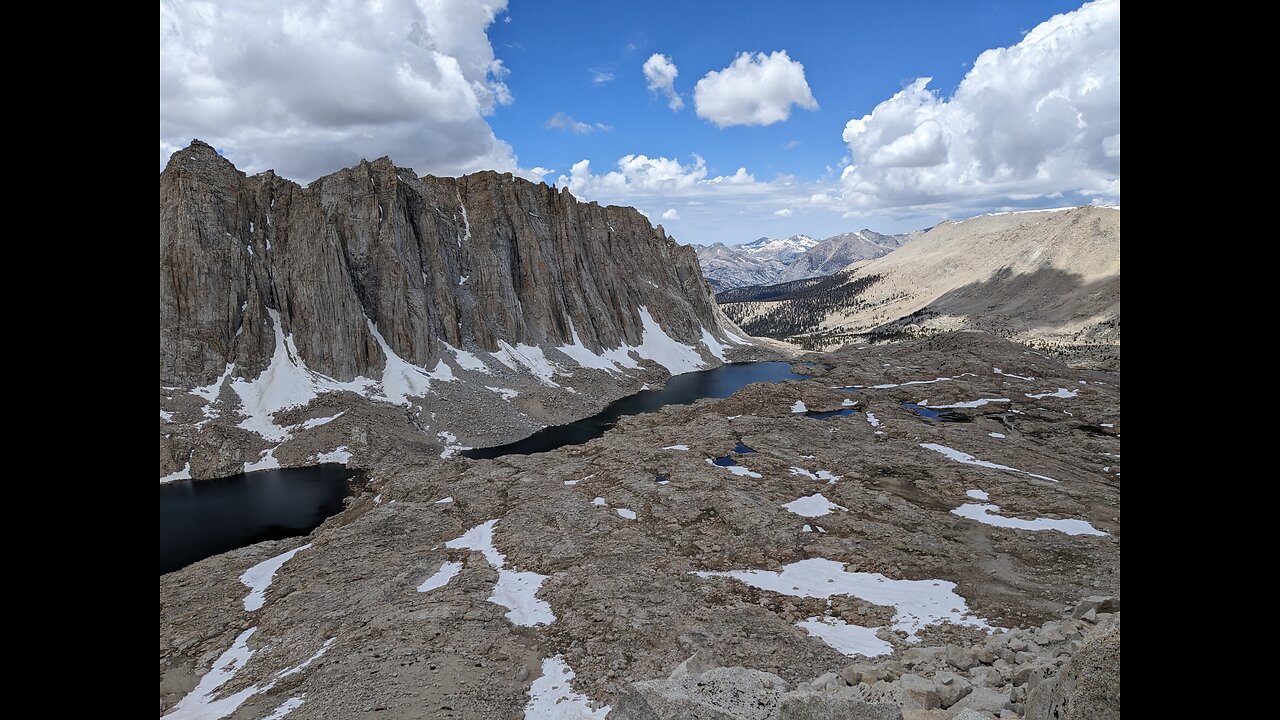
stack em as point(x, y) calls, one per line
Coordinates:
point(874, 564)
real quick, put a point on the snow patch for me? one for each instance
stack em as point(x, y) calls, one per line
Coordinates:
point(401, 379)
point(916, 603)
point(888, 386)
point(676, 447)
point(976, 494)
point(996, 435)
point(846, 639)
point(183, 474)
point(480, 539)
point(506, 393)
point(735, 469)
point(466, 360)
point(516, 591)
point(969, 404)
point(848, 403)
point(599, 502)
point(166, 416)
point(714, 346)
point(451, 446)
point(986, 514)
point(317, 422)
point(659, 347)
point(267, 461)
point(626, 513)
point(873, 420)
point(286, 707)
point(338, 455)
point(607, 360)
point(200, 704)
point(286, 383)
point(1059, 393)
point(967, 459)
point(998, 371)
point(530, 357)
point(813, 506)
point(799, 407)
point(551, 696)
point(258, 578)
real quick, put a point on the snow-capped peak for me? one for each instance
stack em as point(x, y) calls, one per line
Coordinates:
point(782, 249)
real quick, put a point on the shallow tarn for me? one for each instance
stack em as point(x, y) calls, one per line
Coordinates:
point(201, 518)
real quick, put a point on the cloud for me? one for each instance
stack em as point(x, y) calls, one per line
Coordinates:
point(712, 208)
point(754, 90)
point(1027, 122)
point(783, 213)
point(535, 174)
point(660, 75)
point(791, 145)
point(564, 121)
point(285, 85)
point(671, 214)
point(601, 77)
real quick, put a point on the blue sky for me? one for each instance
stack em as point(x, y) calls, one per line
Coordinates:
point(854, 55)
point(829, 116)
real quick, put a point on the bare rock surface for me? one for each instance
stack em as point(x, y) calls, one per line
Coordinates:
point(473, 310)
point(531, 591)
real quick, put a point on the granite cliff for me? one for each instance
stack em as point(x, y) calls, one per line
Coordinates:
point(377, 286)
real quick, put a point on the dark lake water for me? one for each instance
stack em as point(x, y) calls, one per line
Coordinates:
point(202, 518)
point(683, 389)
point(925, 411)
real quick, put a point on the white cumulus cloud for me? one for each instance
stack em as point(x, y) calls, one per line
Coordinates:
point(783, 213)
point(754, 90)
point(307, 89)
point(660, 75)
point(712, 208)
point(565, 121)
point(1040, 119)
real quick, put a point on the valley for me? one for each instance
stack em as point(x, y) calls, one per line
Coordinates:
point(526, 361)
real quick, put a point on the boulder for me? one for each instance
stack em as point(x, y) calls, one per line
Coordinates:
point(1087, 687)
point(961, 658)
point(951, 687)
point(1096, 603)
point(697, 664)
point(825, 706)
point(919, 692)
point(717, 694)
point(984, 699)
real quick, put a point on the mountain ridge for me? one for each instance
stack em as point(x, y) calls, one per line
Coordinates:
point(374, 283)
point(767, 261)
point(1049, 279)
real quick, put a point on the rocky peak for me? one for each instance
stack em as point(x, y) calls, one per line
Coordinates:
point(372, 266)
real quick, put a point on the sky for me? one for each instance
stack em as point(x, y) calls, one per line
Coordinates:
point(722, 121)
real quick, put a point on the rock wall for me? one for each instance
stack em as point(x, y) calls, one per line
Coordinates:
point(476, 259)
point(466, 311)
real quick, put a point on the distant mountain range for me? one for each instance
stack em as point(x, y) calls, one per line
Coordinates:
point(1049, 279)
point(771, 260)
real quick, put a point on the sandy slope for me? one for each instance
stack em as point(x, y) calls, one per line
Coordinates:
point(1050, 279)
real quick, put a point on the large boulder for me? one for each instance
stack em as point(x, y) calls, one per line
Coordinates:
point(1087, 687)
